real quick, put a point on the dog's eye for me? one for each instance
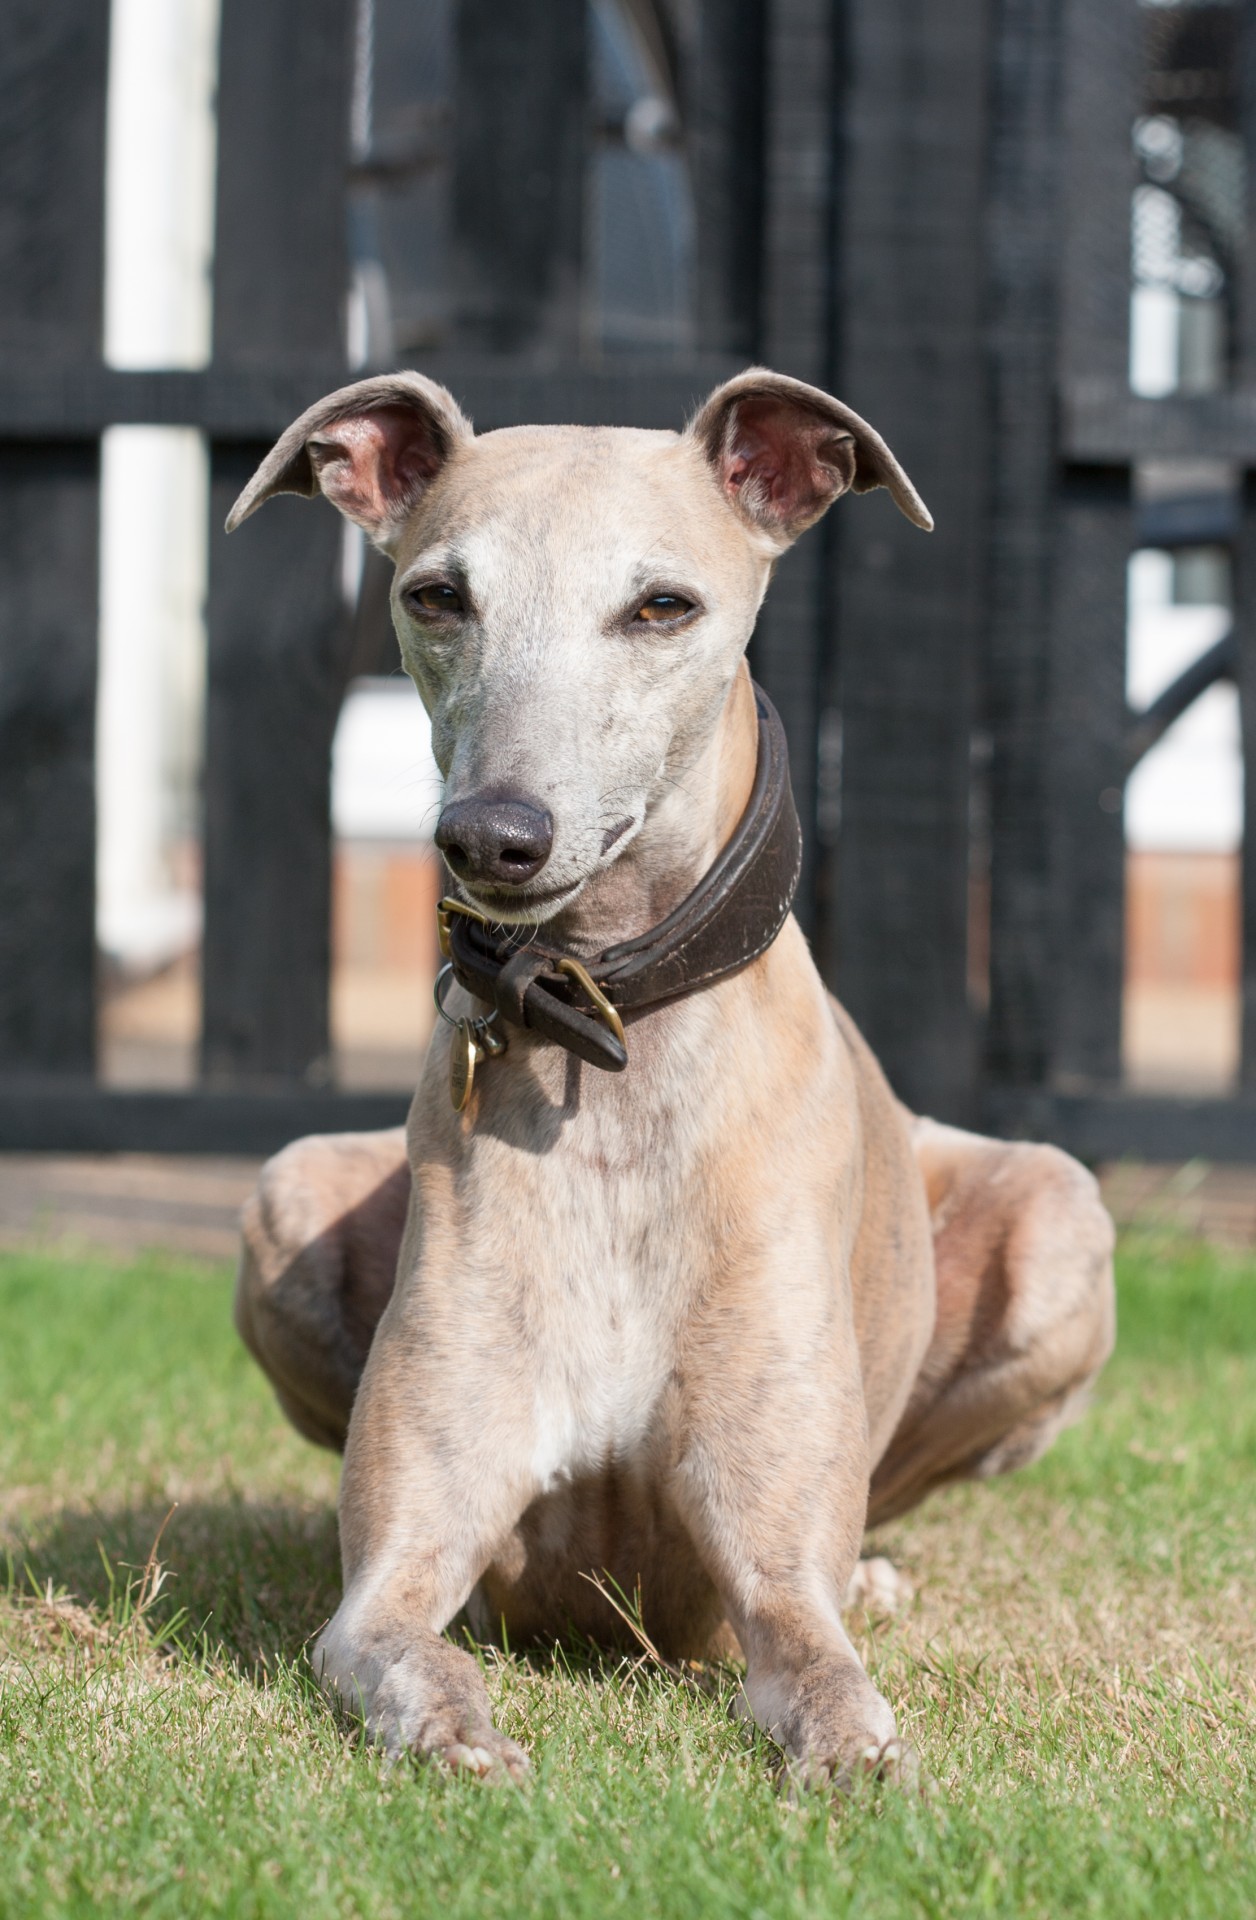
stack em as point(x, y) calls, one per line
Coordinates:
point(435, 597)
point(664, 606)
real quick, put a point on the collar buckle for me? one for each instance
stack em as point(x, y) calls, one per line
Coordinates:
point(445, 909)
point(608, 1014)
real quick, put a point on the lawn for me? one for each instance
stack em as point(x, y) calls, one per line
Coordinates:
point(1077, 1668)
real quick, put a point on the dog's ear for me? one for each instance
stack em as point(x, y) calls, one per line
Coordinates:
point(782, 452)
point(373, 449)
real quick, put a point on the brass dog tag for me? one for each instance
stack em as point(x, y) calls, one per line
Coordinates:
point(464, 1057)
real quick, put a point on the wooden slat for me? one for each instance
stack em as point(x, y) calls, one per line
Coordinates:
point(789, 651)
point(1023, 236)
point(53, 61)
point(1093, 537)
point(38, 1114)
point(50, 398)
point(722, 104)
point(519, 126)
point(43, 1114)
point(1245, 637)
point(283, 137)
point(1100, 97)
point(49, 512)
point(43, 396)
point(1102, 422)
point(1107, 1124)
point(1245, 560)
point(279, 646)
point(908, 352)
point(278, 640)
point(1087, 774)
point(1060, 182)
point(45, 400)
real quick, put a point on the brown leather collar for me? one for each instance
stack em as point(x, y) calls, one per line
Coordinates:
point(732, 916)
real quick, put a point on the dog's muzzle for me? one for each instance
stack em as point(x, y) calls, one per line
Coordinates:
point(732, 916)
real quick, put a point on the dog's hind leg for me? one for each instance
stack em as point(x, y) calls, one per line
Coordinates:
point(1025, 1313)
point(322, 1232)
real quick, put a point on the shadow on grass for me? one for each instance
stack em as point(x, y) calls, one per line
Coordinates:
point(254, 1581)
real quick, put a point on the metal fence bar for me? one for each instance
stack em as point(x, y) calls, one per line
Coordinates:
point(909, 360)
point(53, 64)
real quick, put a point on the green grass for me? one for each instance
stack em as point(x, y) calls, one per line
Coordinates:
point(1077, 1667)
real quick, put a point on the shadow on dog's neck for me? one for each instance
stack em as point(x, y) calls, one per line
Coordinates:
point(685, 830)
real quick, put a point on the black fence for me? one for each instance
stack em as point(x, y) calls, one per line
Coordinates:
point(926, 209)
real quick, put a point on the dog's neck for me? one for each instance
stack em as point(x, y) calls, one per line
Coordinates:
point(692, 820)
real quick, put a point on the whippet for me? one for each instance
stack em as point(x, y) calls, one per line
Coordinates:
point(660, 1284)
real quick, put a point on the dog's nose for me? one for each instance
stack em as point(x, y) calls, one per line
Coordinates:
point(505, 841)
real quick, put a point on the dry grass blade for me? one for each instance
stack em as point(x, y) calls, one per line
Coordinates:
point(691, 1674)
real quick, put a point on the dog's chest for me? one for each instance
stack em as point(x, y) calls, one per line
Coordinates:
point(605, 1309)
point(598, 1230)
point(606, 1257)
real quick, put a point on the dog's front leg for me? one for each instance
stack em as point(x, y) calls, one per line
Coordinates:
point(772, 1479)
point(436, 1476)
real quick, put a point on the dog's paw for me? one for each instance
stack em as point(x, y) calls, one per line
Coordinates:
point(878, 1588)
point(894, 1763)
point(888, 1762)
point(416, 1694)
point(487, 1755)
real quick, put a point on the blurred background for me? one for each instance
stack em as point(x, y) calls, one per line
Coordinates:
point(1014, 234)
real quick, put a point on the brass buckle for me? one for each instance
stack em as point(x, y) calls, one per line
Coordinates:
point(443, 911)
point(602, 1005)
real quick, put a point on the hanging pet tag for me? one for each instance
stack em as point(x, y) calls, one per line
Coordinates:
point(464, 1057)
point(473, 1041)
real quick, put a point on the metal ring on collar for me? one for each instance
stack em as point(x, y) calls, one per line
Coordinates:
point(439, 990)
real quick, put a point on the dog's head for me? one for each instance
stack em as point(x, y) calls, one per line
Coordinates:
point(573, 603)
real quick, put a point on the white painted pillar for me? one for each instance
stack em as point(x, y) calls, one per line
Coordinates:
point(159, 237)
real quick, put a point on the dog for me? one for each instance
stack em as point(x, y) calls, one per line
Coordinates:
point(670, 1293)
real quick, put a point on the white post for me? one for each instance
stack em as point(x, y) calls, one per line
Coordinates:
point(159, 237)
